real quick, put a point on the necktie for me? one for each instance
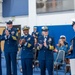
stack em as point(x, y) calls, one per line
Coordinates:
point(45, 38)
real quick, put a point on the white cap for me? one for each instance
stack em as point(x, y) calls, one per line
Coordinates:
point(62, 36)
point(73, 19)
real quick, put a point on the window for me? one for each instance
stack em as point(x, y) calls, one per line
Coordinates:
point(48, 6)
point(14, 8)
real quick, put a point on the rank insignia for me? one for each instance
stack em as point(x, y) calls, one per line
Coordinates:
point(28, 39)
point(49, 40)
point(12, 32)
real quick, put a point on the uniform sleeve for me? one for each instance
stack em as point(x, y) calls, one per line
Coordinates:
point(37, 34)
point(40, 41)
point(0, 37)
point(19, 43)
point(0, 46)
point(51, 44)
point(38, 48)
point(14, 36)
point(0, 41)
point(32, 33)
point(30, 43)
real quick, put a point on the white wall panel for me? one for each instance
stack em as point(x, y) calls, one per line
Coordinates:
point(33, 19)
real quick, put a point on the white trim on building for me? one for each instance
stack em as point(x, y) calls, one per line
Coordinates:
point(33, 19)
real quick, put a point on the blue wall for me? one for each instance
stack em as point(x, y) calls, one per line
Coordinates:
point(57, 30)
point(15, 8)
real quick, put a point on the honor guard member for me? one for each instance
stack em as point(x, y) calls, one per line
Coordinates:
point(10, 36)
point(0, 57)
point(27, 44)
point(35, 33)
point(72, 55)
point(45, 56)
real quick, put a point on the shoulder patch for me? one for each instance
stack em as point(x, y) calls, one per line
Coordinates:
point(17, 34)
point(13, 32)
point(28, 38)
point(50, 39)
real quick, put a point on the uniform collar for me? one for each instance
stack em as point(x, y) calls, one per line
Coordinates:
point(45, 36)
point(9, 29)
point(26, 35)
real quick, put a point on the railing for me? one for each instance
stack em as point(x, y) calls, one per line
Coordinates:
point(46, 6)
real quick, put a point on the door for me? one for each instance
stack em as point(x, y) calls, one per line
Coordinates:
point(2, 42)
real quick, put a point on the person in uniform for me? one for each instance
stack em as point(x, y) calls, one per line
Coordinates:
point(0, 57)
point(71, 55)
point(45, 56)
point(26, 43)
point(35, 50)
point(35, 33)
point(10, 37)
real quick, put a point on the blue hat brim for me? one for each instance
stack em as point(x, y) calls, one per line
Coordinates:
point(45, 30)
point(9, 22)
point(26, 29)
